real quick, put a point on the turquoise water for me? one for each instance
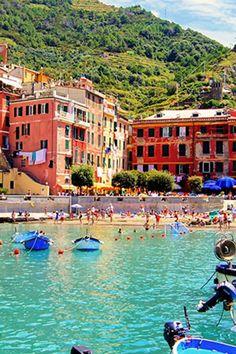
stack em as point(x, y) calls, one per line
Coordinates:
point(113, 301)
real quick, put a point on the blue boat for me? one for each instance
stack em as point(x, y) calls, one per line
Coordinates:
point(87, 243)
point(202, 346)
point(180, 343)
point(18, 237)
point(37, 243)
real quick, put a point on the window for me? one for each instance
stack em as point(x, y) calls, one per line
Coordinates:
point(111, 124)
point(82, 156)
point(88, 119)
point(219, 166)
point(67, 130)
point(104, 141)
point(43, 144)
point(25, 129)
point(234, 146)
point(68, 162)
point(76, 156)
point(18, 111)
point(109, 163)
point(92, 159)
point(40, 108)
point(140, 133)
point(233, 129)
point(182, 131)
point(206, 147)
point(92, 138)
point(203, 130)
point(140, 151)
point(220, 130)
point(81, 134)
point(234, 165)
point(166, 132)
point(17, 132)
point(182, 150)
point(12, 185)
point(88, 157)
point(93, 118)
point(151, 151)
point(219, 147)
point(67, 144)
point(5, 142)
point(76, 133)
point(99, 140)
point(207, 167)
point(165, 168)
point(88, 137)
point(19, 145)
point(8, 100)
point(165, 150)
point(105, 121)
point(151, 133)
point(7, 121)
point(180, 169)
point(98, 161)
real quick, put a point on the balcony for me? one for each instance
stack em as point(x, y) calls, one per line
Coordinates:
point(81, 123)
point(109, 111)
point(65, 116)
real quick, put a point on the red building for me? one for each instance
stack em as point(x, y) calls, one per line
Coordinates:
point(47, 136)
point(186, 142)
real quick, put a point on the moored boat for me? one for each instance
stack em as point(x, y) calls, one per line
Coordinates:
point(87, 243)
point(202, 346)
point(225, 250)
point(18, 237)
point(37, 243)
point(180, 343)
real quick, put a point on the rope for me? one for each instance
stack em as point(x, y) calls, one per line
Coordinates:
point(221, 316)
point(208, 280)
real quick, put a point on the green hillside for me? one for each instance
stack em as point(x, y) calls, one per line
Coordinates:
point(148, 63)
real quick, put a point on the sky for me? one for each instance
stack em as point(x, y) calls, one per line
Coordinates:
point(214, 18)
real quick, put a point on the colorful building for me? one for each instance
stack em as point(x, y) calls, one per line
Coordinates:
point(186, 142)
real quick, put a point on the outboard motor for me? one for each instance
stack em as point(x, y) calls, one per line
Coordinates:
point(174, 331)
point(80, 350)
point(225, 292)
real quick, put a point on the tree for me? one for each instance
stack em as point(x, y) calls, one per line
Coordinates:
point(124, 179)
point(160, 181)
point(195, 184)
point(82, 175)
point(140, 179)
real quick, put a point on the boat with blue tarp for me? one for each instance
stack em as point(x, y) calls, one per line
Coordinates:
point(37, 243)
point(18, 237)
point(87, 243)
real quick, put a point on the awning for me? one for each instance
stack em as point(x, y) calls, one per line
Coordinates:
point(10, 82)
point(67, 187)
point(102, 185)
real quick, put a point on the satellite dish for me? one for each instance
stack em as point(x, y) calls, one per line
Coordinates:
point(225, 250)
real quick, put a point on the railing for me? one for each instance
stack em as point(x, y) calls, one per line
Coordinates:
point(109, 111)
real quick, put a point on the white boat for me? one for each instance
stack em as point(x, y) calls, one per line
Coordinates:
point(87, 243)
point(225, 250)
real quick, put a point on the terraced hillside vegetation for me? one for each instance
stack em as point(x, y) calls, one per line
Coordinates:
point(147, 62)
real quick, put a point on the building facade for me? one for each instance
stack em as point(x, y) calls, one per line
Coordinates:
point(187, 142)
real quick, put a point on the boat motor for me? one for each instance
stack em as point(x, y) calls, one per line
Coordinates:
point(225, 292)
point(225, 250)
point(174, 331)
point(80, 350)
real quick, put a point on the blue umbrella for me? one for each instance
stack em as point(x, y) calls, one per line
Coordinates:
point(213, 187)
point(211, 181)
point(226, 182)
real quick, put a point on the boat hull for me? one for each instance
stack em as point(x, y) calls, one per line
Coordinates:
point(88, 244)
point(202, 346)
point(37, 243)
point(224, 273)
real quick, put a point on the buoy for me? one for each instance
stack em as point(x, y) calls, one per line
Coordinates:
point(1, 242)
point(180, 233)
point(184, 232)
point(116, 239)
point(16, 251)
point(60, 251)
point(128, 238)
point(153, 236)
point(191, 230)
point(163, 235)
point(141, 237)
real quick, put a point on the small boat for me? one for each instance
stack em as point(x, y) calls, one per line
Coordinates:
point(202, 346)
point(180, 343)
point(87, 243)
point(37, 243)
point(18, 237)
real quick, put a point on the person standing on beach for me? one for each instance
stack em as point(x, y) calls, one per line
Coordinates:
point(229, 220)
point(13, 216)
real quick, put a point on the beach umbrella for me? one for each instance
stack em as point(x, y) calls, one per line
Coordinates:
point(213, 187)
point(210, 181)
point(226, 182)
point(76, 206)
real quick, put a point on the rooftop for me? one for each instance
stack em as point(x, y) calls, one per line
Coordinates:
point(188, 113)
